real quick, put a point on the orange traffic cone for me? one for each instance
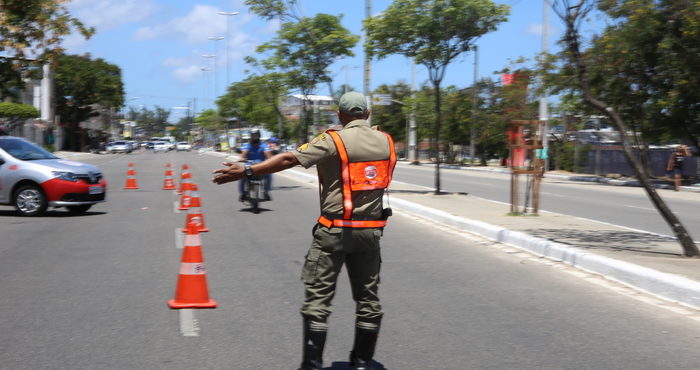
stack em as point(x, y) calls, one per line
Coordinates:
point(168, 183)
point(185, 198)
point(185, 177)
point(192, 291)
point(130, 179)
point(194, 212)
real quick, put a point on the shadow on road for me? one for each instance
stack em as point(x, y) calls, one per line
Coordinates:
point(50, 214)
point(342, 365)
point(607, 239)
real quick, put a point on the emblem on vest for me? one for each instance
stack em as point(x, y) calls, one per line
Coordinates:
point(371, 172)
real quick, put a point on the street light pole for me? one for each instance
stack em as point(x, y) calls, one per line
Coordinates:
point(228, 41)
point(215, 39)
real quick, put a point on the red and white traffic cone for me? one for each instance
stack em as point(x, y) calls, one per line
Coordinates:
point(194, 212)
point(192, 290)
point(131, 178)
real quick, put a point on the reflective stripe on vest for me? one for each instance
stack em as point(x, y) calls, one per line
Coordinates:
point(360, 176)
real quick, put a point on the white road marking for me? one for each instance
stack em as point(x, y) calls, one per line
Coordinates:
point(644, 208)
point(179, 237)
point(188, 324)
point(176, 205)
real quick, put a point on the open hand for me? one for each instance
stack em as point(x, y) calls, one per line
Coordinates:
point(232, 172)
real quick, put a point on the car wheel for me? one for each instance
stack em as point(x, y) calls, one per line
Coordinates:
point(76, 210)
point(29, 200)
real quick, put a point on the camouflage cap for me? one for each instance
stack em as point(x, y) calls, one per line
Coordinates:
point(353, 104)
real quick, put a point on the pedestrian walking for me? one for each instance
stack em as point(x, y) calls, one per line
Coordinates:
point(355, 166)
point(675, 165)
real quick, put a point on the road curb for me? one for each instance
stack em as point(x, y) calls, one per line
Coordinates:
point(667, 286)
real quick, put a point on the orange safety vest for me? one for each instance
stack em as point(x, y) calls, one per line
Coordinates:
point(360, 176)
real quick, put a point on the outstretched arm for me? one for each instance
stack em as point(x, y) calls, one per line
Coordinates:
point(234, 172)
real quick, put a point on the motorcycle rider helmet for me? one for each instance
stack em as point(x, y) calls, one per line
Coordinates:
point(255, 136)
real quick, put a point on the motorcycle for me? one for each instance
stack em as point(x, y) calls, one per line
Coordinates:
point(254, 189)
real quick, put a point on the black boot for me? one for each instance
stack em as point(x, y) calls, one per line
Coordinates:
point(363, 349)
point(314, 341)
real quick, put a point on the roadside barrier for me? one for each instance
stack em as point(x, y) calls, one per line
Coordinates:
point(192, 290)
point(194, 212)
point(131, 178)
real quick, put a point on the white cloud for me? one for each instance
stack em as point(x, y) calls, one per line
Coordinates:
point(200, 23)
point(187, 74)
point(109, 14)
point(534, 29)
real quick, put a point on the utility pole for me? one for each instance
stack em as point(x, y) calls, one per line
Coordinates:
point(543, 99)
point(368, 66)
point(412, 158)
point(472, 128)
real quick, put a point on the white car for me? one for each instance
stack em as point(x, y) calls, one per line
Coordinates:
point(183, 146)
point(160, 146)
point(120, 147)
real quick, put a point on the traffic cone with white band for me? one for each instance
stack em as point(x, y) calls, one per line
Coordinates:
point(192, 291)
point(185, 177)
point(130, 178)
point(168, 183)
point(194, 211)
point(185, 198)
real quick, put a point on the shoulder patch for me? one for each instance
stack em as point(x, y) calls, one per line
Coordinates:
point(318, 138)
point(303, 147)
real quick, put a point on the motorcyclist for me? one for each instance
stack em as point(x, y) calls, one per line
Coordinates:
point(255, 151)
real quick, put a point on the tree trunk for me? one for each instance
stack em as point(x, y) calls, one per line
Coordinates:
point(572, 42)
point(438, 124)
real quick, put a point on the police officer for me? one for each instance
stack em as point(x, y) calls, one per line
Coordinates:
point(355, 165)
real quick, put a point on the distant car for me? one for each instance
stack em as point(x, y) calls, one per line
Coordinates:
point(34, 179)
point(149, 145)
point(120, 147)
point(183, 146)
point(160, 146)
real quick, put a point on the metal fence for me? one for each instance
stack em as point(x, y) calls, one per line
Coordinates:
point(613, 161)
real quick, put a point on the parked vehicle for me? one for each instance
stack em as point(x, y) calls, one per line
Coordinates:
point(120, 147)
point(34, 179)
point(183, 146)
point(160, 146)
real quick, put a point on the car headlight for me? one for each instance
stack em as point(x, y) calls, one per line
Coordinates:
point(63, 175)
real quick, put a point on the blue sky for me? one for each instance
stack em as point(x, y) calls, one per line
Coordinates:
point(159, 46)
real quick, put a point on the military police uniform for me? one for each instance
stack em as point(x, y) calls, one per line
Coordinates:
point(354, 167)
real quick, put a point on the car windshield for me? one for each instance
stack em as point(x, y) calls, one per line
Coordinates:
point(24, 150)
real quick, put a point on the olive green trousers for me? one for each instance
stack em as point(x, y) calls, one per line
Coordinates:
point(358, 250)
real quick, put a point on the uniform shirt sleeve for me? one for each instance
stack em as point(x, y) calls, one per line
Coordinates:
point(246, 146)
point(319, 149)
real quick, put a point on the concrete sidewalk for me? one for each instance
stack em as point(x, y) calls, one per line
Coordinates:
point(644, 261)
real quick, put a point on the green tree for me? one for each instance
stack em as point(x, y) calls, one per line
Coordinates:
point(32, 29)
point(432, 33)
point(13, 113)
point(393, 118)
point(151, 122)
point(255, 100)
point(572, 13)
point(304, 47)
point(82, 85)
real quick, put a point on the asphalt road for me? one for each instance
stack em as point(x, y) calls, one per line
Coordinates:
point(619, 205)
point(90, 292)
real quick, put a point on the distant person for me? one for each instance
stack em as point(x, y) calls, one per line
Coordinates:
point(355, 165)
point(675, 165)
point(255, 151)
